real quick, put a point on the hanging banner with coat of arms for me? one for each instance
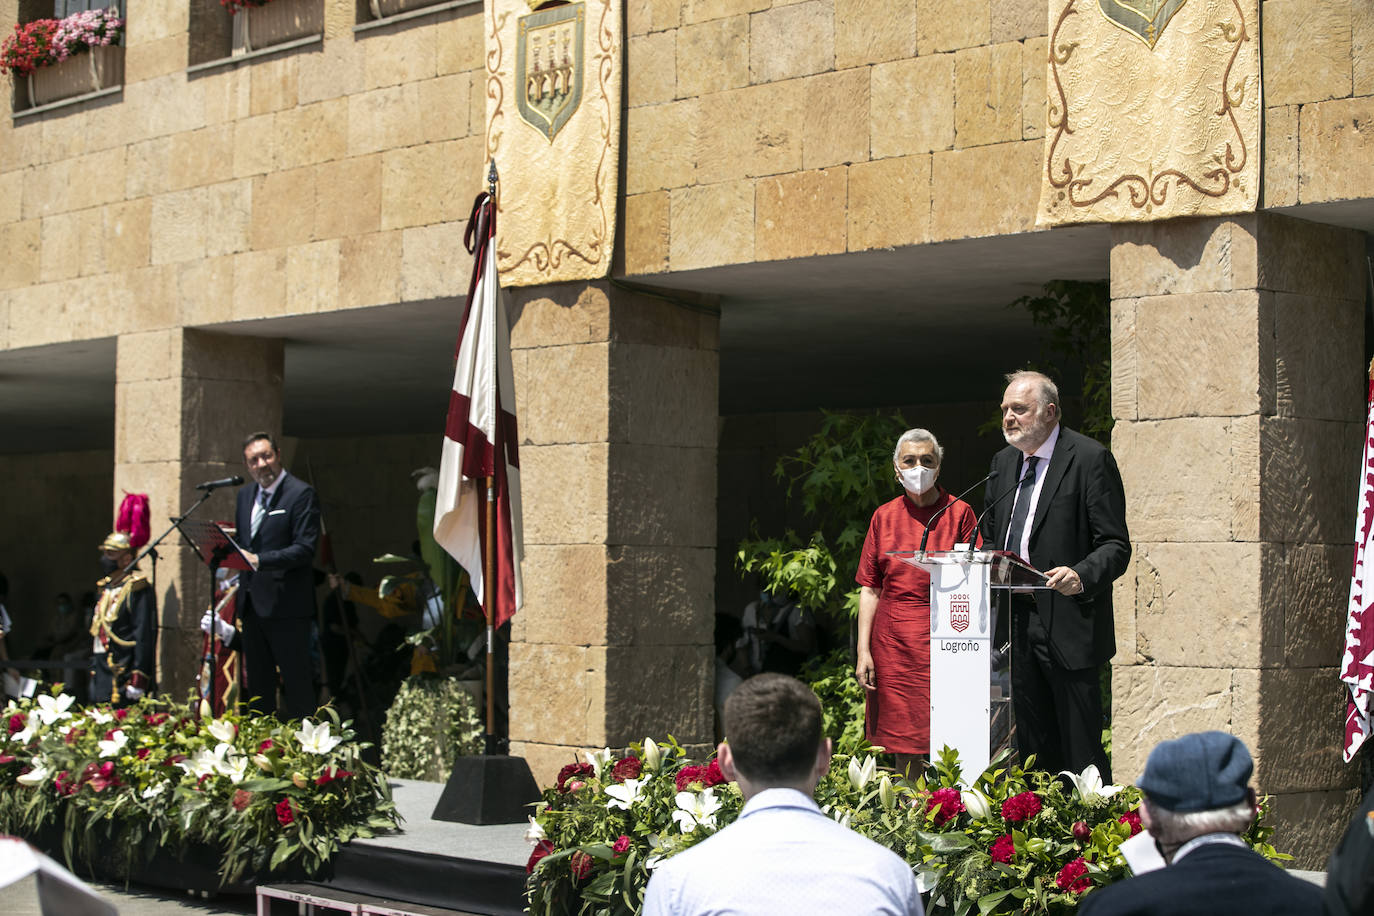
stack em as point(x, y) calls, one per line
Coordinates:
point(1154, 110)
point(553, 128)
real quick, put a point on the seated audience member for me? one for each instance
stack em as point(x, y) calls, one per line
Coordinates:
point(782, 855)
point(1350, 873)
point(1197, 803)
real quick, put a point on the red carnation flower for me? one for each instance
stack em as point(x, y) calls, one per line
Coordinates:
point(950, 803)
point(1074, 877)
point(6, 758)
point(573, 770)
point(155, 718)
point(143, 752)
point(16, 722)
point(541, 849)
point(242, 799)
point(73, 735)
point(581, 865)
point(622, 844)
point(285, 813)
point(1003, 848)
point(707, 776)
point(1131, 818)
point(626, 768)
point(109, 735)
point(121, 714)
point(1021, 807)
point(686, 776)
point(265, 746)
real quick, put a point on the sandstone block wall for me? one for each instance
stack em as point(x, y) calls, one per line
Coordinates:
point(617, 395)
point(1238, 362)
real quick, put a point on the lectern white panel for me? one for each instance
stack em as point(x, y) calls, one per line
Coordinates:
point(960, 651)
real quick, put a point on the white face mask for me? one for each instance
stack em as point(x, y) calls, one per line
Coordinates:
point(918, 479)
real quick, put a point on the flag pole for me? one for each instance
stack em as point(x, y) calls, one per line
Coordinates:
point(492, 740)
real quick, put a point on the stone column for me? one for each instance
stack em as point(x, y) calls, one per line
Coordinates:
point(617, 402)
point(184, 400)
point(1238, 388)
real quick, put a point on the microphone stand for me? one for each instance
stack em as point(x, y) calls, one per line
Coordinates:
point(925, 535)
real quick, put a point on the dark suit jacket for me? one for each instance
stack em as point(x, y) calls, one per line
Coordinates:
point(284, 583)
point(1080, 521)
point(1209, 880)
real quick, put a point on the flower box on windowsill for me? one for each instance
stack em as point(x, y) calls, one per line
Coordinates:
point(87, 71)
point(277, 22)
point(381, 9)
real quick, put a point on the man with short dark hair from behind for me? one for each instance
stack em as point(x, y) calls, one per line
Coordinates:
point(782, 855)
point(1197, 803)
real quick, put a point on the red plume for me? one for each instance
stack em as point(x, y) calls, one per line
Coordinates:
point(133, 519)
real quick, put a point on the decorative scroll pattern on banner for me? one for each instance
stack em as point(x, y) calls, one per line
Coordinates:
point(1154, 110)
point(553, 127)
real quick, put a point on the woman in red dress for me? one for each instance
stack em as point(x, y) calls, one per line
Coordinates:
point(893, 662)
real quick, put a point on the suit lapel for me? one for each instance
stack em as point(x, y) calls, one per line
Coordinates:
point(1059, 466)
point(1009, 472)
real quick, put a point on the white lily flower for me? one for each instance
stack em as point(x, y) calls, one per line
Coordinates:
point(24, 735)
point(235, 767)
point(885, 791)
point(927, 879)
point(696, 809)
point(35, 777)
point(153, 791)
point(841, 819)
point(114, 744)
point(100, 718)
point(65, 730)
point(976, 803)
point(534, 833)
point(598, 759)
point(860, 774)
point(1088, 784)
point(53, 709)
point(652, 756)
point(222, 730)
point(625, 794)
point(315, 739)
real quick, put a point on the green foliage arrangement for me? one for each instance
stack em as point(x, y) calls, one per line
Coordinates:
point(842, 699)
point(1078, 315)
point(118, 784)
point(840, 475)
point(431, 721)
point(1009, 842)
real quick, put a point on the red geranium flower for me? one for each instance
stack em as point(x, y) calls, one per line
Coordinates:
point(1074, 877)
point(581, 865)
point(950, 803)
point(1003, 848)
point(573, 770)
point(1131, 818)
point(242, 799)
point(1021, 807)
point(622, 843)
point(626, 768)
point(285, 813)
point(16, 722)
point(541, 849)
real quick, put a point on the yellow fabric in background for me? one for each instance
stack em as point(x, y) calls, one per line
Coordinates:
point(1137, 132)
point(553, 128)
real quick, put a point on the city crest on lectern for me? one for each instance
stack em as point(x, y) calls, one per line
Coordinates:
point(549, 57)
point(958, 613)
point(1145, 19)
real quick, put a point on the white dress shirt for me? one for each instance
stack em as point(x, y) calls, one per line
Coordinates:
point(783, 856)
point(1045, 452)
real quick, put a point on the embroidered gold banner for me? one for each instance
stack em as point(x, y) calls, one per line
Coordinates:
point(1154, 110)
point(553, 127)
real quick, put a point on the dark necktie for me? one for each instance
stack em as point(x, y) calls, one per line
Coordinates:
point(1023, 501)
point(260, 511)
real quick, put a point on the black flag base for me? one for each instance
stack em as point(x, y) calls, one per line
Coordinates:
point(488, 789)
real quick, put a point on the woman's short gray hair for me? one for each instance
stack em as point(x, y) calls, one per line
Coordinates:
point(919, 435)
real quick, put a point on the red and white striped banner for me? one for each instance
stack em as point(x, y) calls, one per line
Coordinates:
point(1357, 663)
point(480, 437)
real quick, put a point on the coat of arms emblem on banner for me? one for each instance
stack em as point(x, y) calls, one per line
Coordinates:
point(958, 613)
point(1145, 19)
point(549, 65)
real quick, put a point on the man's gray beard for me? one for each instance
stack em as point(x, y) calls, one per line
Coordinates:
point(1037, 433)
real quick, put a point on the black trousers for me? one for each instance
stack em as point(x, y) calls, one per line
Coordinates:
point(1058, 710)
point(272, 646)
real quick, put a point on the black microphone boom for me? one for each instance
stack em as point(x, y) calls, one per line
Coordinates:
point(216, 484)
point(978, 524)
point(925, 535)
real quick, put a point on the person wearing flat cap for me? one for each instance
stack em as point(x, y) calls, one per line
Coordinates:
point(1197, 802)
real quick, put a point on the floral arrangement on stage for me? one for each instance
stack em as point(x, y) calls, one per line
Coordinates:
point(44, 42)
point(1013, 841)
point(117, 785)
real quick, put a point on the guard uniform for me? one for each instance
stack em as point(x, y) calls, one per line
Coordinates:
point(124, 628)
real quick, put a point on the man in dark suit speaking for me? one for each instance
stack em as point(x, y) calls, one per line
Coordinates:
point(278, 521)
point(1057, 501)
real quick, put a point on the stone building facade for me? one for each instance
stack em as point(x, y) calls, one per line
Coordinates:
point(823, 204)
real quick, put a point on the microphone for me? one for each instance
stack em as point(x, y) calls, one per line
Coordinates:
point(216, 484)
point(978, 524)
point(925, 535)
